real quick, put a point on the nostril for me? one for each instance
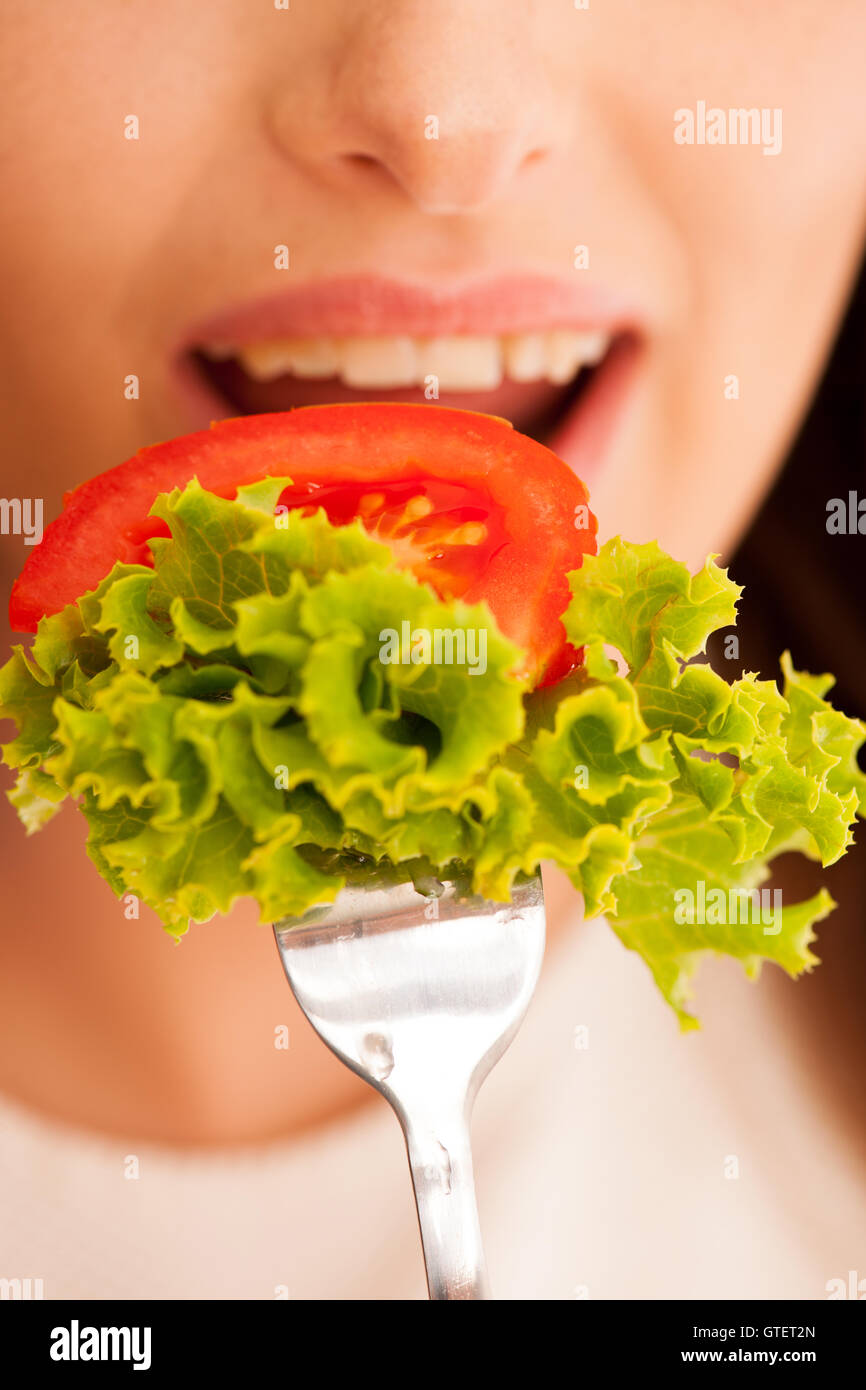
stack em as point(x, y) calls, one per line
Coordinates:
point(534, 157)
point(360, 160)
point(365, 166)
point(458, 175)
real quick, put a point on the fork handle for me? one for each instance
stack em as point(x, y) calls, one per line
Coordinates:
point(440, 1159)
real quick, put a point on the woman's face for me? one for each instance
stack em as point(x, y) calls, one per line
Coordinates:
point(432, 172)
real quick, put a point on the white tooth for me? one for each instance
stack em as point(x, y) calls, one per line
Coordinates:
point(219, 352)
point(310, 357)
point(593, 347)
point(461, 363)
point(567, 352)
point(265, 361)
point(377, 363)
point(562, 358)
point(314, 357)
point(525, 356)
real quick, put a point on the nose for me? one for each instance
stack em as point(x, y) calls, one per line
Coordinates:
point(449, 103)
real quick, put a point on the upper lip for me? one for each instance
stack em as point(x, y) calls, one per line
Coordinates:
point(374, 305)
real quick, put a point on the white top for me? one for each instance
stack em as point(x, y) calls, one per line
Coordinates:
point(603, 1171)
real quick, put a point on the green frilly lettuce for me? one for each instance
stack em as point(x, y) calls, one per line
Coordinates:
point(229, 729)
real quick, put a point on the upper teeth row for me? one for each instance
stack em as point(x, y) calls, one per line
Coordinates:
point(457, 362)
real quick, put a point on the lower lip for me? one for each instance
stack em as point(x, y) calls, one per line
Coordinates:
point(582, 436)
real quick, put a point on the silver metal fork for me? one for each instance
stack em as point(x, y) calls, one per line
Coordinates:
point(420, 993)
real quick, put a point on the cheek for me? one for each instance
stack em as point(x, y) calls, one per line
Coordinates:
point(111, 115)
point(90, 221)
point(724, 391)
point(768, 253)
point(762, 251)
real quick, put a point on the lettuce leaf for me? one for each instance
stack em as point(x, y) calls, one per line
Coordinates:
point(267, 708)
point(758, 772)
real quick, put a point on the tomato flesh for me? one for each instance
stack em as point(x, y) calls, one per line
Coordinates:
point(473, 508)
point(446, 533)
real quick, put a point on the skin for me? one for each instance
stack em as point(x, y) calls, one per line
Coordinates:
point(258, 127)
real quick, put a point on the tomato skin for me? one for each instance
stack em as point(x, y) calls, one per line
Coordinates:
point(524, 581)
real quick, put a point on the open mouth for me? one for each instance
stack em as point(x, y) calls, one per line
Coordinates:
point(531, 378)
point(553, 356)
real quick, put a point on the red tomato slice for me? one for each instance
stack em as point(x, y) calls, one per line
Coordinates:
point(473, 508)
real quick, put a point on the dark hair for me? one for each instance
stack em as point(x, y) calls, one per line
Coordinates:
point(805, 587)
point(805, 591)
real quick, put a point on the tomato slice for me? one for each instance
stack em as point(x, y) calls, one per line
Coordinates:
point(473, 508)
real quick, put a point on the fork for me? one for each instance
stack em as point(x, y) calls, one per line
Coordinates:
point(420, 990)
